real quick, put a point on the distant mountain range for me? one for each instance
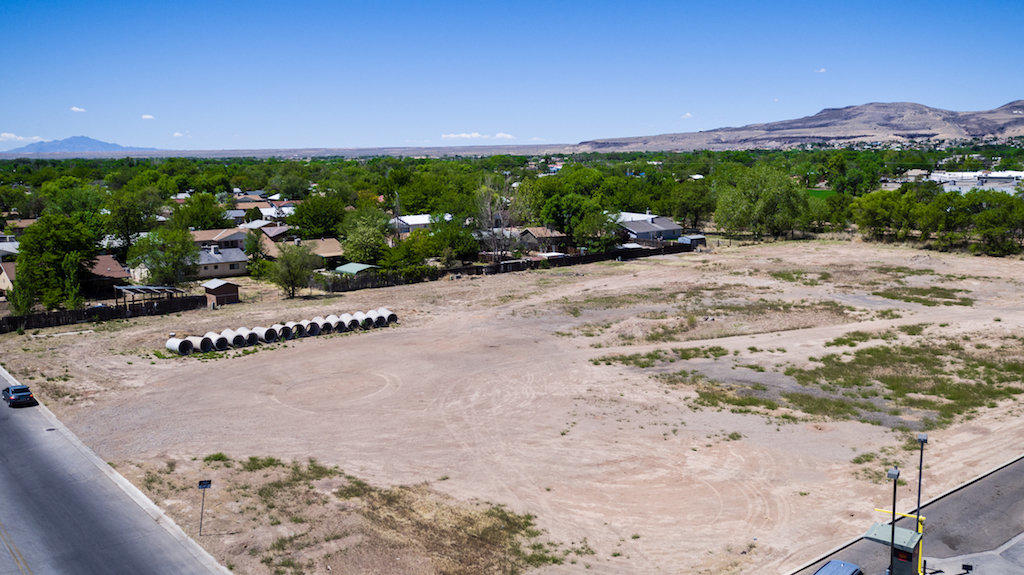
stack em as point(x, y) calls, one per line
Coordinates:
point(891, 122)
point(887, 123)
point(74, 145)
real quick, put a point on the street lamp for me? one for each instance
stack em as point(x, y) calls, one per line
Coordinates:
point(894, 475)
point(922, 438)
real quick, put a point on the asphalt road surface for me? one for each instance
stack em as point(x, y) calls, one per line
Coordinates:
point(982, 516)
point(61, 513)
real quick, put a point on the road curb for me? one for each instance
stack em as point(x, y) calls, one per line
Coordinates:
point(137, 496)
point(942, 495)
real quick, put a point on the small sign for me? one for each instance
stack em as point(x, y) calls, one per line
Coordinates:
point(205, 484)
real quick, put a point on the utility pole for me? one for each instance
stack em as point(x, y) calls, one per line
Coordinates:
point(893, 474)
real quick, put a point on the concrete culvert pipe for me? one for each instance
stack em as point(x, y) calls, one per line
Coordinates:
point(378, 320)
point(201, 344)
point(349, 321)
point(336, 323)
point(311, 328)
point(389, 315)
point(364, 322)
point(297, 329)
point(325, 326)
point(220, 343)
point(266, 334)
point(250, 336)
point(234, 338)
point(283, 331)
point(179, 346)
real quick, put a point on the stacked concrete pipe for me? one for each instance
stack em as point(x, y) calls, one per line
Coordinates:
point(283, 331)
point(324, 325)
point(350, 322)
point(297, 329)
point(391, 316)
point(220, 343)
point(234, 338)
point(250, 336)
point(200, 344)
point(180, 346)
point(266, 334)
point(311, 328)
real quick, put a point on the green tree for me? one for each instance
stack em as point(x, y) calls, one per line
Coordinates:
point(366, 241)
point(318, 217)
point(764, 200)
point(253, 245)
point(199, 212)
point(54, 256)
point(169, 255)
point(131, 212)
point(452, 242)
point(22, 298)
point(294, 267)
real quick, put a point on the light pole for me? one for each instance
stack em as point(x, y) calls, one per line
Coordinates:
point(922, 438)
point(893, 474)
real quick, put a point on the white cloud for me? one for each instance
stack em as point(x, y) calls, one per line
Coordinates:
point(147, 116)
point(686, 116)
point(536, 139)
point(178, 135)
point(820, 71)
point(775, 99)
point(77, 109)
point(477, 136)
point(465, 136)
point(9, 137)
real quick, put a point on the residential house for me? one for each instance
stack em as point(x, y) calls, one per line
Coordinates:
point(327, 248)
point(255, 224)
point(406, 224)
point(649, 226)
point(17, 226)
point(536, 238)
point(277, 213)
point(8, 248)
point(217, 262)
point(235, 215)
point(7, 272)
point(105, 273)
point(222, 238)
point(277, 233)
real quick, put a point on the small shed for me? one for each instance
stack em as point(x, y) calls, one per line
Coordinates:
point(220, 292)
point(353, 268)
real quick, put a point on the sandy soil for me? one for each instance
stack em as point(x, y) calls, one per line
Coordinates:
point(480, 384)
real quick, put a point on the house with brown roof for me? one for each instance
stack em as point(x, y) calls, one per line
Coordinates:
point(223, 238)
point(542, 239)
point(327, 248)
point(18, 226)
point(105, 273)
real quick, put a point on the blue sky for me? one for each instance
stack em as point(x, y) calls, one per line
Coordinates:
point(210, 75)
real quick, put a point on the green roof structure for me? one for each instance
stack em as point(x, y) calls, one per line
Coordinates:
point(352, 268)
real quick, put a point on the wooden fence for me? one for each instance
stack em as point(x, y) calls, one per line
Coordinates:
point(369, 279)
point(106, 313)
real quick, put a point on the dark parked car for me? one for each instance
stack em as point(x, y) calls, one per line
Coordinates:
point(18, 395)
point(836, 567)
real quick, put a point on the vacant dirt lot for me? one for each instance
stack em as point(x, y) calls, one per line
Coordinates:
point(558, 393)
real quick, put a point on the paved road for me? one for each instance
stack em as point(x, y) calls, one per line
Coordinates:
point(62, 513)
point(977, 519)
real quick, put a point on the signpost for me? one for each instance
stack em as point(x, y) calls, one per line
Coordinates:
point(203, 486)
